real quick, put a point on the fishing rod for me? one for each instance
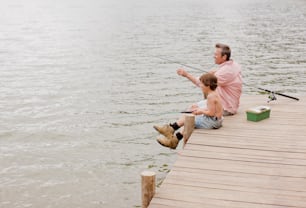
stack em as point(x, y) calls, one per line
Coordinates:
point(176, 62)
point(271, 96)
point(277, 93)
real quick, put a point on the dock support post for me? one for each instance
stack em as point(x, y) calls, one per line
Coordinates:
point(147, 187)
point(188, 127)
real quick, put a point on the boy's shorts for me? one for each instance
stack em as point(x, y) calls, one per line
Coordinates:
point(207, 122)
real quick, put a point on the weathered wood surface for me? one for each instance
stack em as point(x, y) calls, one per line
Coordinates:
point(243, 164)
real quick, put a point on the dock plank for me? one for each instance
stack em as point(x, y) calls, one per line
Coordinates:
point(243, 164)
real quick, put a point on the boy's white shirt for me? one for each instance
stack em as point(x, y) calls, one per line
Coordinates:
point(202, 104)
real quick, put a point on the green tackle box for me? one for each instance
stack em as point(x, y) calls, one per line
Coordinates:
point(258, 113)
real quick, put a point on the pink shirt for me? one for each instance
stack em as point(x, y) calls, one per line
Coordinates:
point(229, 85)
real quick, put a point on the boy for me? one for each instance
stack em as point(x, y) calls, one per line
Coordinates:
point(207, 118)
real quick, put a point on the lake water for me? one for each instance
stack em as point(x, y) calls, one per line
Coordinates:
point(81, 86)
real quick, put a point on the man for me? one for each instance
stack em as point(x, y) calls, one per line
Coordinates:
point(229, 79)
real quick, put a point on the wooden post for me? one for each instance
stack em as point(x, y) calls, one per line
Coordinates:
point(188, 127)
point(147, 187)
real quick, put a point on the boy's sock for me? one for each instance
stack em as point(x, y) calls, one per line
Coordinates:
point(179, 136)
point(175, 126)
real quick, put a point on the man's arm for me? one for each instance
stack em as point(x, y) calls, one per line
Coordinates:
point(184, 73)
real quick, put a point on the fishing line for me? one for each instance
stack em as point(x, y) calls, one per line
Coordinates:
point(175, 62)
point(271, 97)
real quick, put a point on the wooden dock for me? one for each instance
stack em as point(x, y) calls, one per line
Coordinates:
point(244, 164)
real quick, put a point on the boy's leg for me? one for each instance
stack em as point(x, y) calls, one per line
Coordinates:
point(181, 121)
point(170, 140)
point(165, 130)
point(168, 130)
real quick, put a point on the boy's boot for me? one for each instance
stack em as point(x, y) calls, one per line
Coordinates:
point(171, 141)
point(165, 130)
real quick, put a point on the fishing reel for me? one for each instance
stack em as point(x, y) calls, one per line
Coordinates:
point(272, 97)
